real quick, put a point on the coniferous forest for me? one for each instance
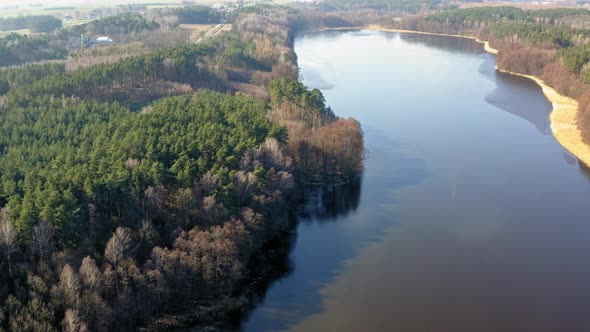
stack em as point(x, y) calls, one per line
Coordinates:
point(137, 180)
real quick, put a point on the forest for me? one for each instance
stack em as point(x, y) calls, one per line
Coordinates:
point(136, 181)
point(404, 6)
point(128, 23)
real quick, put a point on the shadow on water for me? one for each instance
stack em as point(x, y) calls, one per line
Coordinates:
point(584, 169)
point(516, 95)
point(444, 43)
point(274, 262)
point(481, 236)
point(333, 227)
point(323, 203)
point(519, 96)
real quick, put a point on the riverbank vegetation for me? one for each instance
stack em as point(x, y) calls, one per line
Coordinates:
point(132, 197)
point(326, 147)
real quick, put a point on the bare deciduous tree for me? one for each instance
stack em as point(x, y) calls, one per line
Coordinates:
point(8, 238)
point(72, 322)
point(245, 183)
point(69, 286)
point(43, 235)
point(119, 246)
point(90, 274)
point(210, 182)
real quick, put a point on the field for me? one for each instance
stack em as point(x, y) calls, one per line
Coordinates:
point(62, 7)
point(199, 31)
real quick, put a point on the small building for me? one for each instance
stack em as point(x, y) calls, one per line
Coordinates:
point(104, 40)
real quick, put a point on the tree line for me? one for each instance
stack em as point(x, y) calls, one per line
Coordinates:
point(37, 23)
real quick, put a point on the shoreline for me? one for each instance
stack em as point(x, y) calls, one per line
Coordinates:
point(563, 119)
point(564, 111)
point(486, 44)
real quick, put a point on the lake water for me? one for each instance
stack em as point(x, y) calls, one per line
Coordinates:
point(469, 215)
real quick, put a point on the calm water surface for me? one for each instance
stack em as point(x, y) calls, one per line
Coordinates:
point(469, 216)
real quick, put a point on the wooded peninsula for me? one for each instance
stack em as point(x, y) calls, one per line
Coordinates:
point(142, 178)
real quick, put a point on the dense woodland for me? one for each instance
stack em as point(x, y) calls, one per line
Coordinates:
point(131, 197)
point(17, 49)
point(553, 44)
point(402, 6)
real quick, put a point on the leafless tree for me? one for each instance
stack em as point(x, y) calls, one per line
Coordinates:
point(210, 182)
point(72, 322)
point(8, 238)
point(69, 286)
point(154, 199)
point(43, 235)
point(90, 274)
point(245, 183)
point(119, 247)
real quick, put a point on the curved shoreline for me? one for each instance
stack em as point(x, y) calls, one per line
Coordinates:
point(563, 119)
point(486, 44)
point(565, 109)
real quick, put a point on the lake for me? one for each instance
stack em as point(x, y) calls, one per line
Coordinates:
point(469, 215)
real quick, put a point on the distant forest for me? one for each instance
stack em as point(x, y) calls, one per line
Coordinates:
point(156, 30)
point(38, 23)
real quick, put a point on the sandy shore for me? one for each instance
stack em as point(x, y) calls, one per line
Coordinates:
point(563, 120)
point(563, 116)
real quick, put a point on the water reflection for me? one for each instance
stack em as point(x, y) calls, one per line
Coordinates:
point(516, 95)
point(584, 169)
point(444, 43)
point(520, 96)
point(266, 268)
point(496, 236)
point(333, 227)
point(325, 203)
point(274, 262)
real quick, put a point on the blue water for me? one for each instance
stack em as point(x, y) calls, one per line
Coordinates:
point(469, 215)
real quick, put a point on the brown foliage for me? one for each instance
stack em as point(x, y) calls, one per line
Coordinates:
point(72, 322)
point(103, 55)
point(556, 75)
point(523, 59)
point(90, 274)
point(339, 149)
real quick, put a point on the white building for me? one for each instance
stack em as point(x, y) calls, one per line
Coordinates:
point(104, 40)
